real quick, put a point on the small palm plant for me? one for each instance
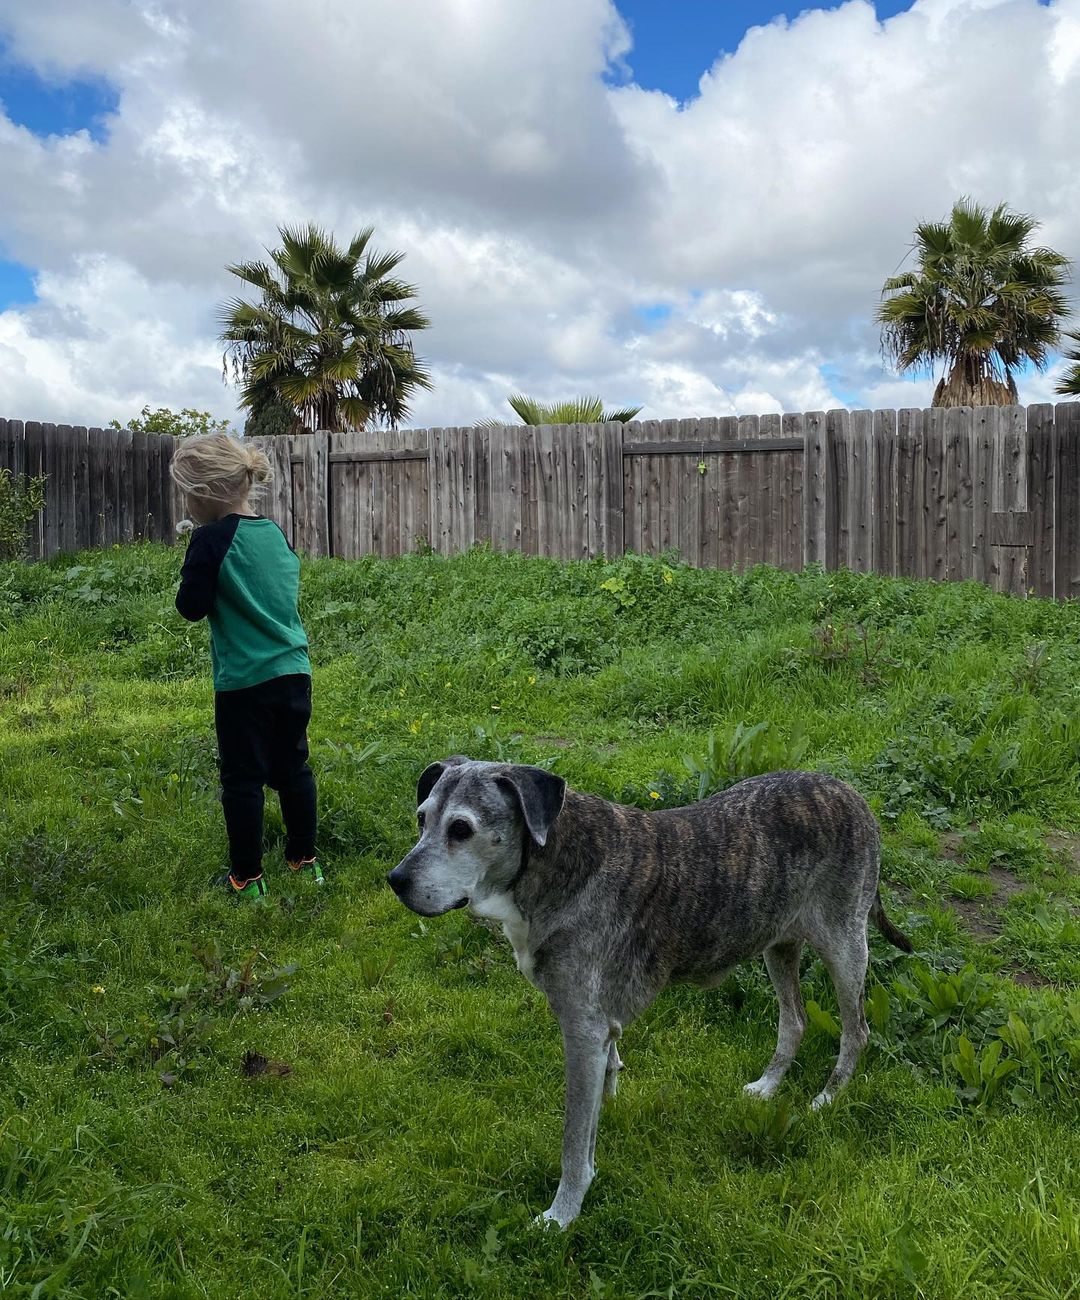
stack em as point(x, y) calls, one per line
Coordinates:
point(982, 302)
point(330, 336)
point(578, 410)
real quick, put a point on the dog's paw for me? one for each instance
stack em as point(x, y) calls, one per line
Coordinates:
point(822, 1099)
point(763, 1088)
point(549, 1219)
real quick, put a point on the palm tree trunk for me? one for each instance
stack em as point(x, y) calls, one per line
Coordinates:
point(962, 387)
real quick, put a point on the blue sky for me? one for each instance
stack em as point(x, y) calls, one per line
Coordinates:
point(675, 41)
point(46, 108)
point(54, 107)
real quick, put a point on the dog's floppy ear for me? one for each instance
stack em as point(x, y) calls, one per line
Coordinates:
point(539, 793)
point(430, 775)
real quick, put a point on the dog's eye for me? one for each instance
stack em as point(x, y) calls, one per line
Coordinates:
point(459, 829)
point(420, 820)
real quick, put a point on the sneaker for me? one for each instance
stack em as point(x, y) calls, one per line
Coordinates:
point(308, 868)
point(252, 891)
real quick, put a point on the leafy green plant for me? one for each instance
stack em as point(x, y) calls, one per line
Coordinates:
point(22, 499)
point(743, 752)
point(769, 1132)
point(1047, 1049)
point(983, 1072)
point(97, 584)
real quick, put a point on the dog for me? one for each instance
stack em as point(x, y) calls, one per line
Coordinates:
point(606, 905)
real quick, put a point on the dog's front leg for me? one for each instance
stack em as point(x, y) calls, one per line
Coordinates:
point(585, 1043)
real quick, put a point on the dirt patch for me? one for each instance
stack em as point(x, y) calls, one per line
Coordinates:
point(1067, 845)
point(980, 917)
point(975, 916)
point(556, 742)
point(952, 846)
point(1005, 885)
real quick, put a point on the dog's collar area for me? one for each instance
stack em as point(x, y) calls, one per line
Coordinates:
point(526, 845)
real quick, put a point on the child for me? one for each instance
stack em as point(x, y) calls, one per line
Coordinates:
point(242, 574)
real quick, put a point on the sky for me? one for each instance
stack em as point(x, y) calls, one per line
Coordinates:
point(688, 205)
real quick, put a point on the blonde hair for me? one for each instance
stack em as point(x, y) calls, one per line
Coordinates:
point(218, 468)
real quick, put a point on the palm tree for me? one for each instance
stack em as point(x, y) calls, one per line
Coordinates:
point(982, 302)
point(1070, 382)
point(578, 410)
point(330, 336)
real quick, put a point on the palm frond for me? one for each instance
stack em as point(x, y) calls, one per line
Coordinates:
point(1069, 384)
point(621, 416)
point(359, 242)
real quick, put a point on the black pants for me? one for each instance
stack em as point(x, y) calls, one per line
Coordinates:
point(262, 740)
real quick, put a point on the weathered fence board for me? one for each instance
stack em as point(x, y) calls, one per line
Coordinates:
point(1067, 496)
point(815, 521)
point(1042, 497)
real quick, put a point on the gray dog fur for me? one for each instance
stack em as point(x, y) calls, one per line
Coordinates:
point(606, 905)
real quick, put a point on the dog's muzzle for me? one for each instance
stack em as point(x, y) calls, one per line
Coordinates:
point(399, 882)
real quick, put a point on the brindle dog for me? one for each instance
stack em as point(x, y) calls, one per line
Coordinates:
point(606, 905)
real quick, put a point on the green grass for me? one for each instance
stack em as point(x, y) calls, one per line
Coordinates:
point(418, 1129)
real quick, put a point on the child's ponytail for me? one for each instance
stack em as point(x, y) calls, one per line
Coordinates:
point(259, 468)
point(218, 468)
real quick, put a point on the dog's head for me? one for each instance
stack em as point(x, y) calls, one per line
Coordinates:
point(475, 821)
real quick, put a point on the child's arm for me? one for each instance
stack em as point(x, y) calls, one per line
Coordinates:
point(198, 577)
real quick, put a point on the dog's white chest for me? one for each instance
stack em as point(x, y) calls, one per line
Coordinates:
point(502, 908)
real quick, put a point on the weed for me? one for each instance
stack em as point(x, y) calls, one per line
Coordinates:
point(769, 1132)
point(743, 752)
point(855, 647)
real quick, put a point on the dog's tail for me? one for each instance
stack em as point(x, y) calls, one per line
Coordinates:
point(896, 937)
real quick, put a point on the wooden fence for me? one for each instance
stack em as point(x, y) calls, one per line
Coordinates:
point(990, 493)
point(104, 485)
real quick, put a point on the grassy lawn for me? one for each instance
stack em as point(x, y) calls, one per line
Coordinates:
point(398, 1122)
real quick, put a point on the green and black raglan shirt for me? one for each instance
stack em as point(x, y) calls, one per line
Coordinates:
point(243, 575)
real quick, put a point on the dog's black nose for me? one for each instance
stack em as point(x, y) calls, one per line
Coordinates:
point(396, 880)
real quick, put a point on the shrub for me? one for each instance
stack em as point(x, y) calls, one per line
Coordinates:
point(22, 499)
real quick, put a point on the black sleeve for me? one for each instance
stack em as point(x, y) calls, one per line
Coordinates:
point(198, 577)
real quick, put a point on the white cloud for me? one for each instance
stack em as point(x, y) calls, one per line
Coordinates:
point(538, 207)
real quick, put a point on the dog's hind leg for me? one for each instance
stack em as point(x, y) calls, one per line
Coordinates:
point(611, 1074)
point(586, 1043)
point(846, 957)
point(782, 963)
